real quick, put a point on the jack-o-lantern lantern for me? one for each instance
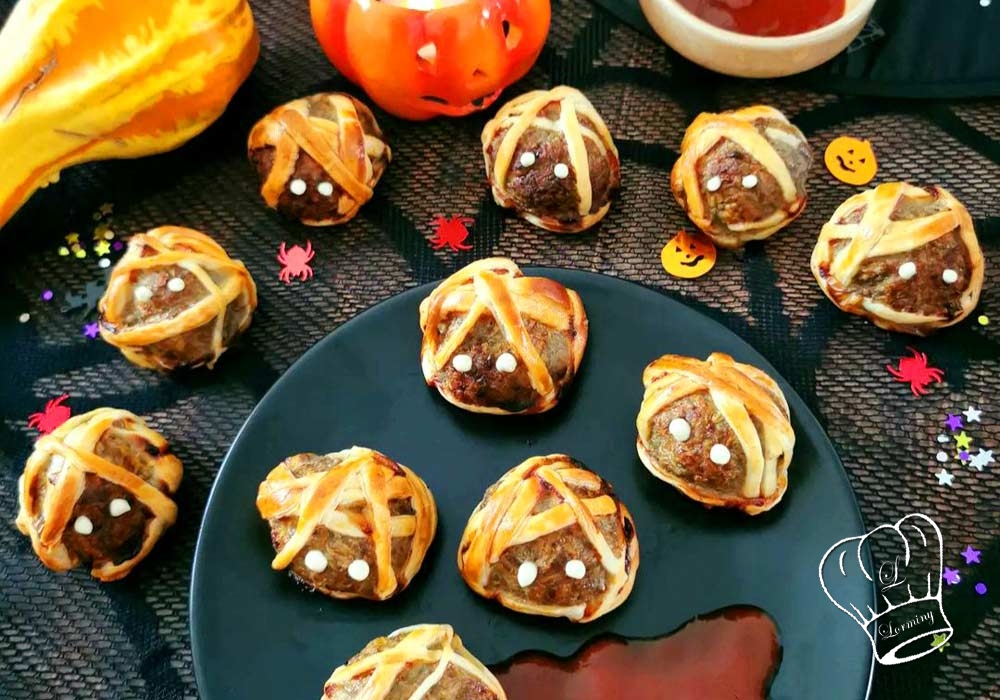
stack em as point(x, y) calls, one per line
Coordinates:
point(418, 59)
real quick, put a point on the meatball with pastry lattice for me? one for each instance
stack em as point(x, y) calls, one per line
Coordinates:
point(717, 430)
point(495, 341)
point(741, 175)
point(904, 257)
point(96, 492)
point(351, 524)
point(176, 299)
point(550, 157)
point(551, 538)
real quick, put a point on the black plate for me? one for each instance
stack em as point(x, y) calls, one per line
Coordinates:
point(256, 634)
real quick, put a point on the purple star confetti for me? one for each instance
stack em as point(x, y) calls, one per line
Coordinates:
point(47, 295)
point(90, 329)
point(971, 555)
point(981, 588)
point(963, 456)
point(951, 576)
point(954, 422)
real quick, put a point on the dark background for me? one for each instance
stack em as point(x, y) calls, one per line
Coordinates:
point(69, 636)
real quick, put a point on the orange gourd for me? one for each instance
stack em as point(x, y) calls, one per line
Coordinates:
point(84, 81)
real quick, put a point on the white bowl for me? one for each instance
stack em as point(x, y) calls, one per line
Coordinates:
point(748, 56)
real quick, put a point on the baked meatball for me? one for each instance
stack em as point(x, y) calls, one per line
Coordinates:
point(741, 176)
point(351, 524)
point(319, 158)
point(717, 430)
point(550, 157)
point(498, 342)
point(176, 299)
point(423, 662)
point(551, 538)
point(96, 492)
point(904, 257)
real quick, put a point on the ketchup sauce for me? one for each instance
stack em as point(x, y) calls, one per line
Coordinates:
point(767, 17)
point(731, 653)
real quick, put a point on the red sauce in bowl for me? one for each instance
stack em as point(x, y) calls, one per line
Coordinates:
point(767, 17)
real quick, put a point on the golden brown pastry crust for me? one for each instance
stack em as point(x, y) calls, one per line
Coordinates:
point(343, 145)
point(55, 481)
point(689, 180)
point(878, 234)
point(353, 499)
point(747, 400)
point(539, 498)
point(227, 289)
point(578, 125)
point(495, 288)
point(387, 666)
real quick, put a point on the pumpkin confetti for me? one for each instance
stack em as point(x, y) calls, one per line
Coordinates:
point(851, 160)
point(688, 256)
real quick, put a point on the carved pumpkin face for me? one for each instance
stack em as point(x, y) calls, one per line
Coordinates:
point(851, 160)
point(688, 255)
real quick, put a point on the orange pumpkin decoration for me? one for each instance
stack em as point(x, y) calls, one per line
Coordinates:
point(85, 81)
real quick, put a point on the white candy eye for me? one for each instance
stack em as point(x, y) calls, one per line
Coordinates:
point(176, 284)
point(949, 276)
point(142, 294)
point(680, 429)
point(713, 184)
point(561, 171)
point(325, 189)
point(461, 363)
point(907, 270)
point(576, 569)
point(506, 363)
point(315, 561)
point(526, 574)
point(750, 181)
point(719, 454)
point(359, 570)
point(83, 525)
point(118, 507)
point(527, 159)
point(297, 186)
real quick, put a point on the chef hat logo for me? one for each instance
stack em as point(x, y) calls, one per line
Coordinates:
point(907, 579)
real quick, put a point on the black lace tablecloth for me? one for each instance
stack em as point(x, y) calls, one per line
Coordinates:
point(68, 636)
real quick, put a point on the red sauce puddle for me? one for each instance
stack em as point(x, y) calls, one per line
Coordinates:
point(767, 17)
point(730, 653)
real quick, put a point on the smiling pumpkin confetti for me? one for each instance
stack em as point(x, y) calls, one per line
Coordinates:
point(688, 255)
point(851, 160)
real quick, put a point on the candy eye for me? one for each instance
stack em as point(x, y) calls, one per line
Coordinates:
point(907, 270)
point(576, 569)
point(526, 574)
point(358, 570)
point(315, 561)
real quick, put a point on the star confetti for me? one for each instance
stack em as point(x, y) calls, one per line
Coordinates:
point(940, 642)
point(90, 329)
point(971, 555)
point(73, 238)
point(981, 588)
point(106, 209)
point(954, 423)
point(102, 248)
point(983, 458)
point(972, 415)
point(951, 576)
point(945, 477)
point(962, 440)
point(963, 456)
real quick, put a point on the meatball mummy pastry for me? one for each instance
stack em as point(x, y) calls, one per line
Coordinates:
point(351, 524)
point(176, 299)
point(550, 157)
point(716, 430)
point(907, 258)
point(423, 662)
point(498, 342)
point(319, 158)
point(96, 492)
point(741, 175)
point(551, 538)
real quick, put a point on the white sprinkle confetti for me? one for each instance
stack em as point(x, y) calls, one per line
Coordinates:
point(561, 171)
point(325, 189)
point(907, 270)
point(942, 456)
point(506, 363)
point(83, 525)
point(527, 159)
point(750, 181)
point(359, 570)
point(713, 184)
point(719, 454)
point(949, 276)
point(297, 186)
point(315, 561)
point(576, 569)
point(461, 363)
point(103, 263)
point(680, 429)
point(118, 506)
point(24, 318)
point(142, 294)
point(176, 284)
point(985, 3)
point(942, 438)
point(526, 574)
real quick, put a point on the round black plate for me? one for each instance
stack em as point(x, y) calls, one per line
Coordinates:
point(256, 634)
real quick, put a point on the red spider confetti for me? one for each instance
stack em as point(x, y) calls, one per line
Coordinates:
point(451, 231)
point(916, 372)
point(295, 262)
point(54, 415)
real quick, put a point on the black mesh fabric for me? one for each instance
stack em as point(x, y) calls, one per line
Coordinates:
point(69, 636)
